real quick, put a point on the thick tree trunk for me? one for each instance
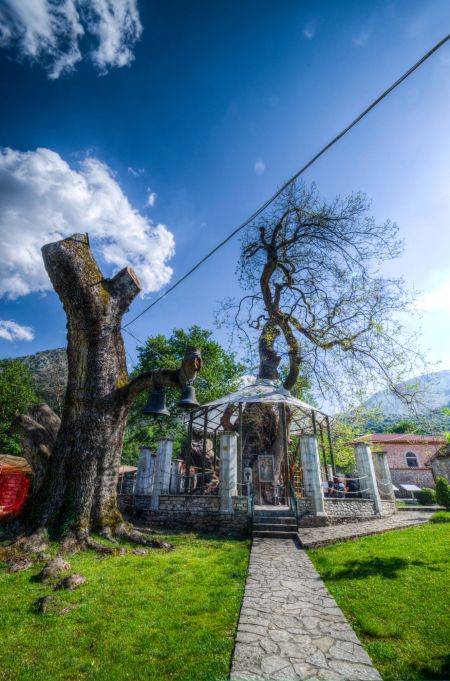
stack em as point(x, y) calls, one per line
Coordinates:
point(81, 480)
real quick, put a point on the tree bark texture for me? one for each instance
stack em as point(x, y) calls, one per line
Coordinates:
point(83, 454)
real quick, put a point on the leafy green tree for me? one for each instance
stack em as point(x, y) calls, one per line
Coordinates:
point(443, 492)
point(16, 396)
point(405, 426)
point(221, 373)
point(343, 434)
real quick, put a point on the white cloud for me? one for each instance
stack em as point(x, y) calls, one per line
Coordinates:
point(12, 331)
point(151, 199)
point(259, 167)
point(135, 172)
point(43, 199)
point(51, 33)
point(309, 31)
point(437, 300)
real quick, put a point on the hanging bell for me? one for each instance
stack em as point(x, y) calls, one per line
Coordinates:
point(188, 399)
point(156, 403)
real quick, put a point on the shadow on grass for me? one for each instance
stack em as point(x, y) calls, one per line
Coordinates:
point(436, 673)
point(388, 568)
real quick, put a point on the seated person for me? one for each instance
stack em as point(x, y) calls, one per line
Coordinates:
point(339, 488)
point(352, 487)
point(325, 488)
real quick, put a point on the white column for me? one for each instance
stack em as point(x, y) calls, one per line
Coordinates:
point(227, 471)
point(312, 478)
point(383, 475)
point(175, 477)
point(365, 467)
point(146, 468)
point(162, 471)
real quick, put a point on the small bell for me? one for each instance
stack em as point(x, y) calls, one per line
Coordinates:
point(156, 403)
point(188, 399)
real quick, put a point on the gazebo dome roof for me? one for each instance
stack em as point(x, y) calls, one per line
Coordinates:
point(261, 391)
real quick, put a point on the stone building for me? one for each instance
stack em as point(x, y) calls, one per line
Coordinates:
point(440, 462)
point(408, 456)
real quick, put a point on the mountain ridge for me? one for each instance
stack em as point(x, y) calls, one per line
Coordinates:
point(49, 371)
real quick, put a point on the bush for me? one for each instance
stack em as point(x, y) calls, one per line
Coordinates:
point(426, 496)
point(440, 517)
point(442, 492)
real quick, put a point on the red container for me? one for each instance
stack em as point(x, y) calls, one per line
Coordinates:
point(13, 491)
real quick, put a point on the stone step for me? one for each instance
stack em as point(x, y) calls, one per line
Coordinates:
point(281, 513)
point(274, 527)
point(431, 509)
point(274, 534)
point(275, 520)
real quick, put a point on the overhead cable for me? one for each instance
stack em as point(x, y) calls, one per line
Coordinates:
point(293, 178)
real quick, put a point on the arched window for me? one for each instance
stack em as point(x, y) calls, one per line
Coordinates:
point(411, 460)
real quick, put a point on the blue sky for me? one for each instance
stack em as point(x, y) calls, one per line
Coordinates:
point(192, 120)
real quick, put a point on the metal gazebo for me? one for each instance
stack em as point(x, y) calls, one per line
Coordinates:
point(304, 419)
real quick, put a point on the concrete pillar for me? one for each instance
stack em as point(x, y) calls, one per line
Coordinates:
point(145, 471)
point(366, 468)
point(312, 479)
point(383, 476)
point(227, 471)
point(162, 471)
point(175, 477)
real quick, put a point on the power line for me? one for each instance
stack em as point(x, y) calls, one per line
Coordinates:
point(132, 335)
point(294, 177)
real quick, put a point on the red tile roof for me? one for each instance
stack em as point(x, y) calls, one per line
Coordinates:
point(404, 438)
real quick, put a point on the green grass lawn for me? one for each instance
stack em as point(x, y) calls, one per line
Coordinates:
point(394, 589)
point(167, 615)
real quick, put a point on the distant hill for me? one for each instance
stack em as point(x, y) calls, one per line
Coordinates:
point(434, 389)
point(49, 371)
point(428, 416)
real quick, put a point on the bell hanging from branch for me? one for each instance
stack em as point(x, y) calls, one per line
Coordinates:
point(156, 403)
point(188, 399)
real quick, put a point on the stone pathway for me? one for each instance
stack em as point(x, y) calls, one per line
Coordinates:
point(290, 626)
point(312, 537)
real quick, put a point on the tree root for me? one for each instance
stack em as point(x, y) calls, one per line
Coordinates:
point(82, 541)
point(76, 541)
point(128, 533)
point(34, 543)
point(106, 533)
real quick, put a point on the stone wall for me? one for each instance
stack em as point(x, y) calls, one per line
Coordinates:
point(305, 512)
point(355, 508)
point(388, 507)
point(193, 513)
point(441, 466)
point(340, 511)
point(422, 477)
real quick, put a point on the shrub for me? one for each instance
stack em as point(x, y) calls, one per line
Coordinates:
point(426, 496)
point(442, 492)
point(440, 517)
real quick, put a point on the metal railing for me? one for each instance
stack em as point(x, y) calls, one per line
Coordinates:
point(293, 501)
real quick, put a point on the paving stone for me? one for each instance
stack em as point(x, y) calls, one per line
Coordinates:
point(245, 637)
point(321, 536)
point(353, 672)
point(273, 663)
point(252, 628)
point(303, 670)
point(269, 646)
point(285, 673)
point(277, 635)
point(324, 643)
point(290, 626)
